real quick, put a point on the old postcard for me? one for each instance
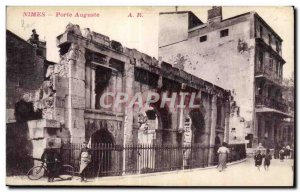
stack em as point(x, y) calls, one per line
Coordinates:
point(150, 96)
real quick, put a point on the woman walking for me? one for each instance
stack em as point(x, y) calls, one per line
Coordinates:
point(258, 158)
point(282, 154)
point(85, 159)
point(267, 160)
point(223, 152)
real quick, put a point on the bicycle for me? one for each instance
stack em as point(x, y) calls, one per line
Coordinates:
point(66, 172)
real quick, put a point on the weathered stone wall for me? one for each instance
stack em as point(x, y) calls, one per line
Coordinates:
point(24, 73)
point(30, 104)
point(69, 77)
point(17, 137)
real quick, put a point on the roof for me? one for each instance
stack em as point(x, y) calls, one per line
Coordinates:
point(268, 26)
point(177, 12)
point(257, 16)
point(192, 17)
point(18, 37)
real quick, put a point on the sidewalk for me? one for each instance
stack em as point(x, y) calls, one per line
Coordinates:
point(238, 174)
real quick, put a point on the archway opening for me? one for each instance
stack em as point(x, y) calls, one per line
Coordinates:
point(149, 125)
point(102, 136)
point(198, 126)
point(199, 152)
point(216, 147)
point(102, 158)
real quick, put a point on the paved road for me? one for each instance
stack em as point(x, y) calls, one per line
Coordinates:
point(241, 174)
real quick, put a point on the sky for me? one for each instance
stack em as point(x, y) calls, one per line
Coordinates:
point(140, 33)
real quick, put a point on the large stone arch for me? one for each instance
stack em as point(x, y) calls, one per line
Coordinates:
point(198, 138)
point(150, 122)
point(198, 126)
point(164, 121)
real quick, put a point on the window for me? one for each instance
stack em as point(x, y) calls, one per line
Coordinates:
point(271, 63)
point(278, 68)
point(261, 30)
point(277, 46)
point(260, 60)
point(203, 38)
point(224, 33)
point(270, 39)
point(275, 63)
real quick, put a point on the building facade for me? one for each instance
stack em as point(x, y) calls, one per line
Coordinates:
point(242, 54)
point(81, 98)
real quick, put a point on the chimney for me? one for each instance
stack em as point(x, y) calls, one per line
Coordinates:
point(214, 15)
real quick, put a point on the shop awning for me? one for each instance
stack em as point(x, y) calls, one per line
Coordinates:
point(270, 110)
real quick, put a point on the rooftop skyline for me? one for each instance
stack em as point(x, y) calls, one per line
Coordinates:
point(140, 33)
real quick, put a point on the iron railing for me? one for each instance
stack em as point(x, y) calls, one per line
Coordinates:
point(269, 74)
point(271, 102)
point(107, 159)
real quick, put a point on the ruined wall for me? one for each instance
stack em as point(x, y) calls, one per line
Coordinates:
point(226, 61)
point(24, 73)
point(30, 105)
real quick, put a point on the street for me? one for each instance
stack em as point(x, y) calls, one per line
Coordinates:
point(239, 174)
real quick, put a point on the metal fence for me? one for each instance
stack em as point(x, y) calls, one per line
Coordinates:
point(112, 160)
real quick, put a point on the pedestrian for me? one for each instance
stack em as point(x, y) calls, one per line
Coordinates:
point(292, 151)
point(85, 159)
point(288, 151)
point(282, 154)
point(276, 151)
point(53, 161)
point(223, 152)
point(258, 159)
point(267, 160)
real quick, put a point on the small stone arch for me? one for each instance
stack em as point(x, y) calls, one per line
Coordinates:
point(102, 136)
point(150, 122)
point(102, 158)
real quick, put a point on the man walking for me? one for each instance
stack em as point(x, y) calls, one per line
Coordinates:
point(53, 161)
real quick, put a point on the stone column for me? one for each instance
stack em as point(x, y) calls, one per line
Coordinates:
point(204, 154)
point(93, 86)
point(272, 130)
point(227, 117)
point(255, 131)
point(88, 85)
point(128, 87)
point(262, 127)
point(212, 129)
point(76, 93)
